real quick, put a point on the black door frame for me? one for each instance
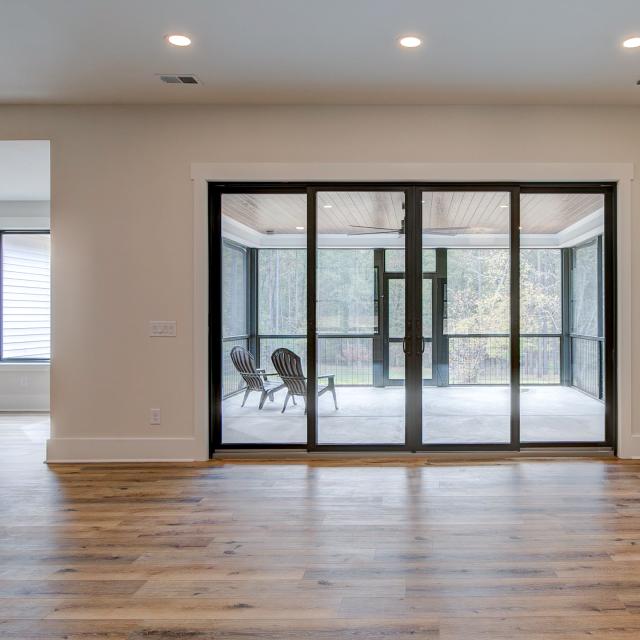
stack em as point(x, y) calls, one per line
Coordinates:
point(413, 305)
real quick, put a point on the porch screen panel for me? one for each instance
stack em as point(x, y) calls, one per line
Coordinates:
point(477, 316)
point(540, 315)
point(282, 292)
point(234, 318)
point(587, 338)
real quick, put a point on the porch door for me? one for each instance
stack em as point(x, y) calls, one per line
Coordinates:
point(394, 328)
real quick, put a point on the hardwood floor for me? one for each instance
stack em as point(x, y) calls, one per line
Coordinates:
point(543, 549)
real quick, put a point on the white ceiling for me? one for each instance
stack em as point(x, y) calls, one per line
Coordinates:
point(24, 170)
point(321, 51)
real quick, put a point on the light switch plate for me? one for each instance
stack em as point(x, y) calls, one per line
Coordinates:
point(162, 328)
point(154, 416)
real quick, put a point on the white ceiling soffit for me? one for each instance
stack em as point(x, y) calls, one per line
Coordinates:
point(24, 170)
point(330, 51)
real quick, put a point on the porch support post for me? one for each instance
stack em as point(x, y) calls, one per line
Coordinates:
point(378, 339)
point(565, 340)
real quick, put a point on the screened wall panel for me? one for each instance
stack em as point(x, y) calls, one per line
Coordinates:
point(584, 290)
point(477, 291)
point(585, 365)
point(479, 360)
point(540, 360)
point(269, 344)
point(346, 291)
point(232, 381)
point(234, 275)
point(282, 292)
point(586, 307)
point(350, 359)
point(541, 291)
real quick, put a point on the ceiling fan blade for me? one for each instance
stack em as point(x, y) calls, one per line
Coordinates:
point(371, 233)
point(362, 226)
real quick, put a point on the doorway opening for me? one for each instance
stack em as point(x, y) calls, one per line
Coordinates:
point(25, 349)
point(412, 317)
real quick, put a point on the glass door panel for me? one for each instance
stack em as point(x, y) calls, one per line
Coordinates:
point(361, 399)
point(469, 402)
point(562, 318)
point(264, 308)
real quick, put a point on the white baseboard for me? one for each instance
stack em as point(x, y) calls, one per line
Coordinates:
point(24, 402)
point(123, 450)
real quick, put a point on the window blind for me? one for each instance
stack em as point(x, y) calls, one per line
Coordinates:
point(26, 296)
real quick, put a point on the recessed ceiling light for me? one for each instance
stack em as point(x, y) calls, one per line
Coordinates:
point(178, 40)
point(631, 43)
point(327, 206)
point(300, 228)
point(410, 42)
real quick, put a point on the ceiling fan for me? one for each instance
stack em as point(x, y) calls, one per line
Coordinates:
point(401, 231)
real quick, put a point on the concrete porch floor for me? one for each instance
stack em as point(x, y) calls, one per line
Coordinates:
point(451, 415)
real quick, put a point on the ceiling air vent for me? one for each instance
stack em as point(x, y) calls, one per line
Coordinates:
point(181, 79)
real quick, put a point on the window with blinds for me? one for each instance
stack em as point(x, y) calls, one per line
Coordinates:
point(26, 294)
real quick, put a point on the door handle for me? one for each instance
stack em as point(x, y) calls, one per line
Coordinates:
point(404, 345)
point(422, 341)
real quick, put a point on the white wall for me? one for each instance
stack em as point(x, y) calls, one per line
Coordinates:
point(24, 214)
point(122, 204)
point(24, 386)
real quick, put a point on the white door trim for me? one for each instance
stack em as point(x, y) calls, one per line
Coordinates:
point(621, 173)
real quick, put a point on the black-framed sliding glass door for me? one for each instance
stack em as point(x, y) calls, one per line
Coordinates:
point(412, 317)
point(477, 314)
point(352, 314)
point(567, 268)
point(258, 242)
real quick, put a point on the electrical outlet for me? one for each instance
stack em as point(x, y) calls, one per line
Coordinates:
point(154, 416)
point(162, 328)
